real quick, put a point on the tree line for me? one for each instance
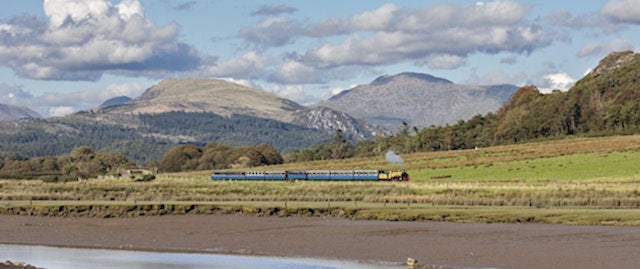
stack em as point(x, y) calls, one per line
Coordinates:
point(82, 163)
point(600, 104)
point(217, 156)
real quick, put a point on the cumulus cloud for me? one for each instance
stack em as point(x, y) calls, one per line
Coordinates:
point(497, 78)
point(251, 65)
point(622, 11)
point(335, 91)
point(81, 40)
point(295, 93)
point(59, 111)
point(440, 36)
point(59, 104)
point(272, 32)
point(444, 61)
point(556, 81)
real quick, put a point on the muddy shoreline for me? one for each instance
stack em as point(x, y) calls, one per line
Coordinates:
point(458, 245)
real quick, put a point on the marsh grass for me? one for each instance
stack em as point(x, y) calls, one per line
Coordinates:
point(572, 181)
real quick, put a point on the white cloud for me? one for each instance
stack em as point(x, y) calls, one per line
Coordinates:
point(335, 91)
point(294, 72)
point(497, 78)
point(242, 82)
point(251, 65)
point(272, 32)
point(379, 19)
point(81, 40)
point(59, 104)
point(439, 36)
point(556, 81)
point(444, 61)
point(59, 111)
point(295, 93)
point(622, 11)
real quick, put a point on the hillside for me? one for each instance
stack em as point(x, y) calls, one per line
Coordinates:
point(604, 102)
point(10, 112)
point(419, 100)
point(195, 111)
point(226, 99)
point(212, 96)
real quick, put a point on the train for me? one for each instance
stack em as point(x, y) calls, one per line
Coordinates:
point(317, 175)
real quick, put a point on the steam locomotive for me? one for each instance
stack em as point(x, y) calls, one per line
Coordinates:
point(330, 175)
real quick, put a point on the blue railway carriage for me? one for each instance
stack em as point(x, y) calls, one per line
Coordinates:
point(337, 175)
point(331, 175)
point(228, 175)
point(248, 175)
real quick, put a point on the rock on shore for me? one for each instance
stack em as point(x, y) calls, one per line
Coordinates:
point(20, 265)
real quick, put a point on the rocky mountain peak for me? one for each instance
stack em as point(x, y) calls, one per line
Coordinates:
point(385, 79)
point(419, 100)
point(615, 60)
point(210, 95)
point(330, 120)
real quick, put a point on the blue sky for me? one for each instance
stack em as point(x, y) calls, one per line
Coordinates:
point(61, 56)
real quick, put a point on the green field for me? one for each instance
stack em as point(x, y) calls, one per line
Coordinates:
point(571, 181)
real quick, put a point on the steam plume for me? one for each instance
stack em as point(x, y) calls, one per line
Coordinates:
point(394, 158)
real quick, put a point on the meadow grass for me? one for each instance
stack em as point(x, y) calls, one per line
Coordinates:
point(571, 181)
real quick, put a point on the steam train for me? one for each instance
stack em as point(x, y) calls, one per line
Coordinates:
point(326, 175)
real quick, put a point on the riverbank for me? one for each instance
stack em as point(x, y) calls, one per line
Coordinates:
point(460, 245)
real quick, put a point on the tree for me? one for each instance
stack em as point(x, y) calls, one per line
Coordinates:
point(180, 158)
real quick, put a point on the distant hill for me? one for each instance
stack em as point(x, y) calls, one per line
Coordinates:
point(119, 100)
point(226, 99)
point(194, 111)
point(11, 112)
point(419, 100)
point(209, 95)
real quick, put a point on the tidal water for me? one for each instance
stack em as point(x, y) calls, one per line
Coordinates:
point(69, 258)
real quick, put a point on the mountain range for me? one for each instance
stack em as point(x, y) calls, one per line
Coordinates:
point(199, 111)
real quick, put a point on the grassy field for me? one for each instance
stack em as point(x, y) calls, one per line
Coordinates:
point(571, 181)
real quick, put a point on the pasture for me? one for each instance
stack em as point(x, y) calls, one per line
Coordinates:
point(572, 181)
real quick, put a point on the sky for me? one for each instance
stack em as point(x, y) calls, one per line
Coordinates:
point(62, 56)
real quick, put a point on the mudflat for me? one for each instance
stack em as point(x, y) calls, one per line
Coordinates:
point(458, 245)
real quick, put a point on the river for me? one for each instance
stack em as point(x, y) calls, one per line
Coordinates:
point(69, 258)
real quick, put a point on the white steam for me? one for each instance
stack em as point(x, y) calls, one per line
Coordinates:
point(393, 158)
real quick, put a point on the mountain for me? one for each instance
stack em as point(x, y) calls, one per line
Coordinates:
point(419, 100)
point(194, 111)
point(210, 95)
point(10, 112)
point(226, 99)
point(119, 100)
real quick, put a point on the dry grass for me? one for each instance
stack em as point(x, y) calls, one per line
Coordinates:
point(581, 180)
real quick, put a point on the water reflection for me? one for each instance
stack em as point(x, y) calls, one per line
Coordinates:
point(56, 257)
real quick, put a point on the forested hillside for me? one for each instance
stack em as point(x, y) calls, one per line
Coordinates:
point(148, 136)
point(605, 102)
